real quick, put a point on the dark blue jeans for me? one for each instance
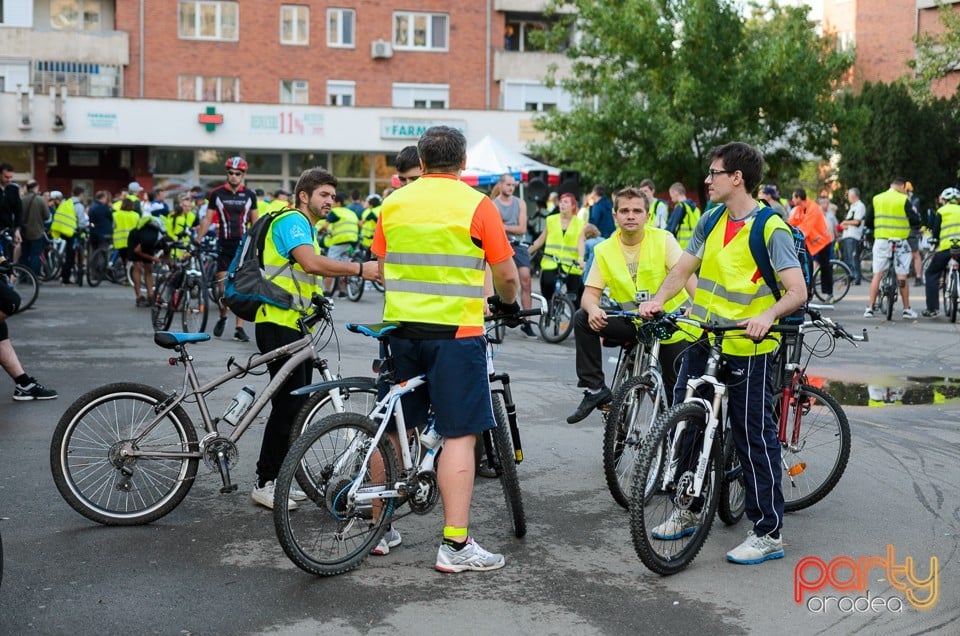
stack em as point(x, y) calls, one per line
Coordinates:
point(850, 248)
point(750, 411)
point(30, 254)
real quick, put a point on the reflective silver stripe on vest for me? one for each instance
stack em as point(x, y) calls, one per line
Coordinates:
point(738, 298)
point(435, 260)
point(435, 289)
point(701, 312)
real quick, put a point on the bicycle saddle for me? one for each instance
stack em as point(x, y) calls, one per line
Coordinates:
point(376, 330)
point(171, 339)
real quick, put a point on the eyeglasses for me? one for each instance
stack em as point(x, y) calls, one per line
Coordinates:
point(235, 173)
point(713, 172)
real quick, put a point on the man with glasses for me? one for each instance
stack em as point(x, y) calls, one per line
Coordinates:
point(731, 291)
point(233, 208)
point(513, 211)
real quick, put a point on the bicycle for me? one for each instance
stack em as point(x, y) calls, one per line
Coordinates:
point(889, 284)
point(51, 258)
point(638, 399)
point(557, 323)
point(20, 277)
point(683, 466)
point(347, 466)
point(181, 289)
point(106, 263)
point(950, 282)
point(127, 453)
point(842, 280)
point(80, 254)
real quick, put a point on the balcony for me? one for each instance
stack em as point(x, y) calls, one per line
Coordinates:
point(524, 6)
point(104, 47)
point(516, 65)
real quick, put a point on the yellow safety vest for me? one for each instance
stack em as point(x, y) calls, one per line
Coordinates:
point(949, 225)
point(347, 228)
point(274, 206)
point(652, 220)
point(651, 271)
point(123, 222)
point(562, 244)
point(433, 271)
point(178, 224)
point(290, 277)
point(689, 222)
point(889, 217)
point(64, 222)
point(726, 289)
point(368, 226)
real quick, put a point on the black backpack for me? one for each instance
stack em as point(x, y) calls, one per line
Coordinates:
point(247, 286)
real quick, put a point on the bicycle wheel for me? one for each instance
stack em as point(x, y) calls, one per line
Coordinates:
point(161, 310)
point(667, 525)
point(889, 297)
point(950, 300)
point(97, 270)
point(25, 283)
point(117, 270)
point(194, 307)
point(814, 465)
point(50, 261)
point(842, 279)
point(506, 467)
point(733, 493)
point(97, 480)
point(557, 323)
point(632, 413)
point(327, 534)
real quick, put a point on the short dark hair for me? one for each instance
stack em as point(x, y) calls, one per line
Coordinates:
point(407, 159)
point(737, 155)
point(6, 167)
point(78, 190)
point(442, 148)
point(312, 179)
point(354, 194)
point(648, 183)
point(630, 192)
point(800, 193)
point(896, 180)
point(599, 190)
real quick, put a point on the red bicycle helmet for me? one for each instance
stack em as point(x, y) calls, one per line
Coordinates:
point(236, 163)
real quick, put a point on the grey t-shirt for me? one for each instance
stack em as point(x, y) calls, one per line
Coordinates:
point(510, 215)
point(783, 252)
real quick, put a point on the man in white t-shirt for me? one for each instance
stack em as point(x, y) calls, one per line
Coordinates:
point(852, 234)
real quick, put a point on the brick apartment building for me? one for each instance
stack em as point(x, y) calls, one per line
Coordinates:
point(103, 92)
point(882, 32)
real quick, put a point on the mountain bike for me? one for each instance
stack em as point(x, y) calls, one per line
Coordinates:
point(51, 258)
point(347, 466)
point(182, 288)
point(842, 280)
point(106, 263)
point(950, 283)
point(127, 453)
point(889, 284)
point(557, 323)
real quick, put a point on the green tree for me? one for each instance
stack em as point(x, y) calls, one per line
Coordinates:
point(657, 83)
point(937, 54)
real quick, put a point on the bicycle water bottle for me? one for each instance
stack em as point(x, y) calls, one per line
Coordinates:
point(430, 437)
point(239, 405)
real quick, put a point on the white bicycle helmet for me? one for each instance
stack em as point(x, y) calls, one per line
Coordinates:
point(950, 194)
point(56, 194)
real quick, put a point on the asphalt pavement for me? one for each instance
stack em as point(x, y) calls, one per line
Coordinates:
point(214, 566)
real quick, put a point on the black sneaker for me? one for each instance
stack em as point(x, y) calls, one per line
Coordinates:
point(241, 335)
point(589, 402)
point(218, 328)
point(929, 313)
point(527, 329)
point(33, 391)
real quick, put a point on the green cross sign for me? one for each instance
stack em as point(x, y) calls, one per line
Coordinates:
point(210, 119)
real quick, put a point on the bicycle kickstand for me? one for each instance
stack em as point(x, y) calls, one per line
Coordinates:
point(224, 467)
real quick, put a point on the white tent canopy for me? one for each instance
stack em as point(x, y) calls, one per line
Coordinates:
point(488, 159)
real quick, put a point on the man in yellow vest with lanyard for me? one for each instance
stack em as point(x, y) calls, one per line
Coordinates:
point(731, 291)
point(944, 228)
point(633, 263)
point(64, 225)
point(892, 218)
point(433, 267)
point(292, 240)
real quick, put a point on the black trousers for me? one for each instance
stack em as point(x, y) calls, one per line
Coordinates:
point(284, 407)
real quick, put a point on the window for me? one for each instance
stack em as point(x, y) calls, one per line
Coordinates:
point(520, 27)
point(341, 93)
point(294, 25)
point(539, 106)
point(209, 20)
point(75, 15)
point(340, 27)
point(421, 95)
point(87, 80)
point(294, 92)
point(209, 89)
point(533, 96)
point(427, 31)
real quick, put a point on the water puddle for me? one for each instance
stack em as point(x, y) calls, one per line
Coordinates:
point(910, 390)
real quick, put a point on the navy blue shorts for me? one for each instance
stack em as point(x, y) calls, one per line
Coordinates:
point(521, 257)
point(457, 383)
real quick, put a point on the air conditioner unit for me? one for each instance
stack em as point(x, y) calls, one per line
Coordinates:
point(380, 49)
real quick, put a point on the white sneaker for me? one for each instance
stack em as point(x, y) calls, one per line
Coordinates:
point(681, 523)
point(471, 557)
point(868, 312)
point(390, 539)
point(756, 550)
point(909, 313)
point(296, 494)
point(264, 496)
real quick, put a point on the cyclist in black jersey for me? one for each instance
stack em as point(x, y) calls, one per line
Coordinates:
point(233, 208)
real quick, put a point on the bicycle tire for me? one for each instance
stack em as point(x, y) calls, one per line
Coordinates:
point(327, 536)
point(25, 283)
point(97, 270)
point(117, 270)
point(379, 286)
point(813, 467)
point(631, 416)
point(161, 309)
point(50, 262)
point(194, 307)
point(842, 279)
point(950, 299)
point(733, 490)
point(557, 323)
point(355, 285)
point(507, 469)
point(84, 456)
point(649, 511)
point(889, 298)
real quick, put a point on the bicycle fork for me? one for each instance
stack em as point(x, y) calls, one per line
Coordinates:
point(511, 409)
